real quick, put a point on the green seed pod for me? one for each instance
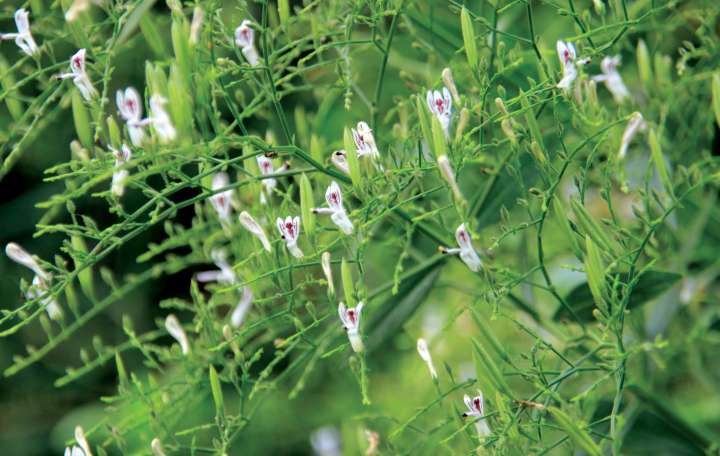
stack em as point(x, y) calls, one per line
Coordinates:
point(284, 12)
point(468, 33)
point(591, 228)
point(438, 135)
point(716, 96)
point(659, 161)
point(114, 132)
point(424, 118)
point(595, 270)
point(643, 64)
point(352, 158)
point(315, 148)
point(180, 35)
point(85, 276)
point(306, 205)
point(15, 106)
point(81, 117)
point(560, 213)
point(531, 122)
point(216, 390)
point(301, 124)
point(348, 283)
point(576, 432)
point(180, 102)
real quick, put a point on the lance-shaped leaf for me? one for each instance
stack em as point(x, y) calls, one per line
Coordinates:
point(468, 33)
point(81, 118)
point(306, 205)
point(576, 432)
point(659, 161)
point(595, 274)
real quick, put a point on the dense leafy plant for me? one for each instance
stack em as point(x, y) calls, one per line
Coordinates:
point(525, 192)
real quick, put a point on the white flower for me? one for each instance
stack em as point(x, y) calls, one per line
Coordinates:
point(222, 201)
point(268, 169)
point(79, 75)
point(130, 106)
point(569, 61)
point(466, 250)
point(289, 231)
point(254, 227)
point(156, 447)
point(23, 38)
point(350, 318)
point(339, 159)
point(441, 106)
point(612, 79)
point(475, 407)
point(245, 40)
point(424, 352)
point(635, 124)
point(327, 270)
point(224, 274)
point(40, 285)
point(74, 451)
point(333, 196)
point(365, 141)
point(120, 175)
point(326, 441)
point(448, 174)
point(242, 308)
point(82, 441)
point(161, 120)
point(173, 327)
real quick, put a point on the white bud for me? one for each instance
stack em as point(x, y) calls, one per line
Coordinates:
point(177, 332)
point(424, 352)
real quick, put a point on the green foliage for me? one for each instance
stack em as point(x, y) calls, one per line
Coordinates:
point(152, 314)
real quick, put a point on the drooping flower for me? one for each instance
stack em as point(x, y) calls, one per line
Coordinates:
point(222, 201)
point(40, 286)
point(424, 352)
point(612, 79)
point(175, 329)
point(130, 106)
point(224, 274)
point(242, 308)
point(476, 409)
point(350, 318)
point(160, 119)
point(441, 106)
point(79, 75)
point(254, 227)
point(466, 250)
point(635, 124)
point(365, 141)
point(268, 169)
point(569, 61)
point(245, 40)
point(327, 270)
point(333, 196)
point(289, 231)
point(120, 175)
point(23, 38)
point(339, 159)
point(82, 441)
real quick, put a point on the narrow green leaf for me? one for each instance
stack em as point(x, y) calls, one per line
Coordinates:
point(438, 144)
point(468, 33)
point(644, 65)
point(595, 273)
point(659, 161)
point(216, 390)
point(716, 97)
point(576, 432)
point(490, 370)
point(81, 117)
point(306, 205)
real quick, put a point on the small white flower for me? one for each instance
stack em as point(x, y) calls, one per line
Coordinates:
point(448, 174)
point(156, 447)
point(289, 231)
point(476, 407)
point(441, 106)
point(327, 270)
point(79, 75)
point(130, 106)
point(424, 352)
point(365, 141)
point(569, 61)
point(254, 227)
point(173, 327)
point(40, 285)
point(635, 124)
point(82, 441)
point(74, 451)
point(120, 176)
point(350, 318)
point(612, 79)
point(267, 168)
point(160, 119)
point(466, 250)
point(245, 40)
point(333, 196)
point(339, 159)
point(222, 202)
point(241, 310)
point(224, 274)
point(326, 441)
point(23, 38)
